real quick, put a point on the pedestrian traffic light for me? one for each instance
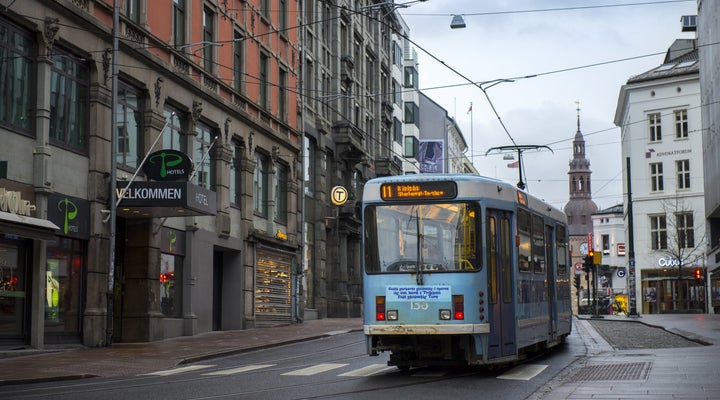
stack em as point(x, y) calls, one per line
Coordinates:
point(698, 274)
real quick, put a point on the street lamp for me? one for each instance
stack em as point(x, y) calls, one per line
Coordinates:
point(457, 22)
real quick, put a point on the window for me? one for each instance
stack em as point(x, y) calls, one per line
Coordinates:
point(397, 92)
point(411, 110)
point(683, 174)
point(561, 250)
point(656, 177)
point(658, 232)
point(171, 285)
point(129, 125)
point(397, 130)
point(524, 250)
point(235, 173)
point(238, 70)
point(397, 54)
point(132, 10)
point(655, 127)
point(411, 147)
point(69, 102)
point(605, 244)
point(685, 230)
point(16, 71)
point(309, 166)
point(173, 137)
point(263, 71)
point(281, 185)
point(265, 8)
point(410, 81)
point(203, 161)
point(538, 241)
point(681, 124)
point(178, 23)
point(282, 94)
point(260, 184)
point(282, 15)
point(64, 277)
point(208, 38)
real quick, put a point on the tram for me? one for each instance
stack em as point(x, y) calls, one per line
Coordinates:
point(462, 270)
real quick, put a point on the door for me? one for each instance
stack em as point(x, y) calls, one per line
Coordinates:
point(550, 266)
point(501, 341)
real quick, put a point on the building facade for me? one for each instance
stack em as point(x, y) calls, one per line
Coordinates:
point(212, 241)
point(659, 114)
point(609, 240)
point(709, 58)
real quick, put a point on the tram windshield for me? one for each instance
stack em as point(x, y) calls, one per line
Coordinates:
point(422, 237)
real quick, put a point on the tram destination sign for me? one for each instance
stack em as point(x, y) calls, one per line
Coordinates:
point(432, 190)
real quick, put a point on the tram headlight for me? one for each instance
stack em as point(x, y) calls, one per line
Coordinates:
point(392, 315)
point(445, 315)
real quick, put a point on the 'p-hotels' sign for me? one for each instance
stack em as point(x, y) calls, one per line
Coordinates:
point(168, 165)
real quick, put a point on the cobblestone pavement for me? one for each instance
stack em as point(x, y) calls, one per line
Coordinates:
point(627, 335)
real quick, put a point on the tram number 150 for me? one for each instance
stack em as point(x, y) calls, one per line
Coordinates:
point(419, 305)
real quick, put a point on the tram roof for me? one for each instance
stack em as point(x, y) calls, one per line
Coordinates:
point(489, 188)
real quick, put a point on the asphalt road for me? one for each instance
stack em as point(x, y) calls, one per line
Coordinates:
point(335, 367)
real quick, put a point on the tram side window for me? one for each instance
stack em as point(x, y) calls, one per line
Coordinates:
point(562, 253)
point(524, 251)
point(538, 244)
point(371, 254)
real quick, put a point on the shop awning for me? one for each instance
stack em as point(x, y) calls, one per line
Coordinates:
point(164, 199)
point(27, 227)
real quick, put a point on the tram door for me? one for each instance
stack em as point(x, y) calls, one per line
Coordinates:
point(550, 265)
point(501, 341)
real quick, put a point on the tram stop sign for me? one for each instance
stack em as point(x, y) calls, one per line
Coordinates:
point(338, 195)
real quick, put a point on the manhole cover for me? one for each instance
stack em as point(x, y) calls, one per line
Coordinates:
point(614, 372)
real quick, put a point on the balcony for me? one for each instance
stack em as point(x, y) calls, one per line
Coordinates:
point(349, 141)
point(387, 111)
point(387, 166)
point(347, 67)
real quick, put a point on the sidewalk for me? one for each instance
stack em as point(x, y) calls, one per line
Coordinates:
point(26, 366)
point(652, 373)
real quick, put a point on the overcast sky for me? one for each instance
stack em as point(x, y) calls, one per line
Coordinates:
point(560, 47)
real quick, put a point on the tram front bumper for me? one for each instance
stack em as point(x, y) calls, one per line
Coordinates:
point(446, 329)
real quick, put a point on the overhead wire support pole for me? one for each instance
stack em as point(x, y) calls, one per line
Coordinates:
point(137, 170)
point(520, 148)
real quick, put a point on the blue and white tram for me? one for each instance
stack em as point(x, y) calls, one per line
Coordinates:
point(462, 270)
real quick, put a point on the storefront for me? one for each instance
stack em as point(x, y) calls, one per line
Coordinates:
point(668, 290)
point(20, 234)
point(273, 286)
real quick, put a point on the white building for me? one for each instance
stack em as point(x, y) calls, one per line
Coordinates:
point(659, 115)
point(609, 239)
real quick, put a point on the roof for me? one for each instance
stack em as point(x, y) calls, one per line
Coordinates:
point(686, 64)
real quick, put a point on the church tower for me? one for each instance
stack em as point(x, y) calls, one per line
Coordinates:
point(580, 207)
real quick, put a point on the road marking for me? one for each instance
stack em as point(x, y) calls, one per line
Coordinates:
point(523, 372)
point(179, 370)
point(314, 369)
point(369, 370)
point(239, 370)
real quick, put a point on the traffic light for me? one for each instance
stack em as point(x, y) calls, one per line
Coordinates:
point(587, 265)
point(576, 282)
point(698, 274)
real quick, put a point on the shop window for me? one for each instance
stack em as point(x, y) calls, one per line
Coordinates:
point(63, 294)
point(171, 285)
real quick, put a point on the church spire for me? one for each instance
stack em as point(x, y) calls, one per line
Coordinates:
point(580, 206)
